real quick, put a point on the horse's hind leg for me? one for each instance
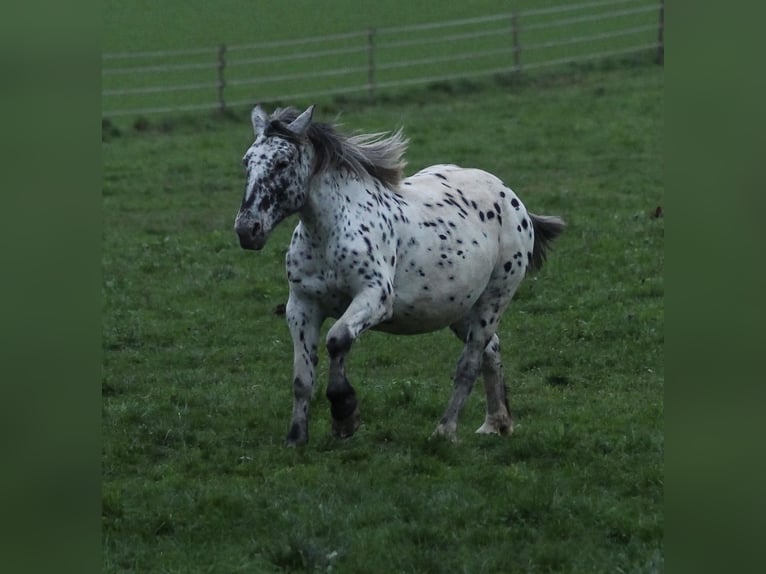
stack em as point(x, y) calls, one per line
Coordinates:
point(498, 419)
point(465, 376)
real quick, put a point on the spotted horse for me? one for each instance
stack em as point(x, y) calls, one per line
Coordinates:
point(445, 247)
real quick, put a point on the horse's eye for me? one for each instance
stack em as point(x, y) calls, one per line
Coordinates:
point(281, 164)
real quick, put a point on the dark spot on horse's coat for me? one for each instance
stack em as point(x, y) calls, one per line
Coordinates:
point(481, 215)
point(490, 214)
point(483, 323)
point(265, 203)
point(515, 203)
point(508, 265)
point(524, 223)
point(502, 194)
point(442, 237)
point(440, 175)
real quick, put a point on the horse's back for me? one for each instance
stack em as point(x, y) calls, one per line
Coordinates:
point(474, 201)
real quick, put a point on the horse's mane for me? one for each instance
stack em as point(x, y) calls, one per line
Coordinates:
point(379, 155)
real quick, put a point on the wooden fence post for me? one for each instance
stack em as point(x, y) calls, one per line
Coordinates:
point(661, 35)
point(221, 79)
point(516, 43)
point(371, 63)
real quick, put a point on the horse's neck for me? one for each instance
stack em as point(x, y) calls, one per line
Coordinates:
point(329, 197)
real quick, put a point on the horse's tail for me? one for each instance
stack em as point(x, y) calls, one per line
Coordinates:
point(547, 228)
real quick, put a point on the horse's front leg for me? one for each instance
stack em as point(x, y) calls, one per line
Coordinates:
point(366, 310)
point(304, 320)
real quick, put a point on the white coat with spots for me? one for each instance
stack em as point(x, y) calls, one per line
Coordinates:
point(445, 247)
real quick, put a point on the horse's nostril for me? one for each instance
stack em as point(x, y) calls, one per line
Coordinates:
point(256, 228)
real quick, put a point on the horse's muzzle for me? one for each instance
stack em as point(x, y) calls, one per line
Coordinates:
point(251, 236)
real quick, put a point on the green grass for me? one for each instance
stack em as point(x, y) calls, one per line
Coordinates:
point(197, 364)
point(176, 24)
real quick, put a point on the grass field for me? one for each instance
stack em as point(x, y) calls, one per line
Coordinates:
point(161, 56)
point(176, 24)
point(197, 364)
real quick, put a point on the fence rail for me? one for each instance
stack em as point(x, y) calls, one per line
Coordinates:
point(229, 76)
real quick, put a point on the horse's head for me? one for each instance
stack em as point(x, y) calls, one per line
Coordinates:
point(278, 164)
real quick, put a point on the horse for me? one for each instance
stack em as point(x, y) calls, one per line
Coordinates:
point(445, 247)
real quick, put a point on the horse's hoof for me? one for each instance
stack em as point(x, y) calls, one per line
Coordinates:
point(297, 436)
point(345, 428)
point(499, 426)
point(446, 432)
point(294, 444)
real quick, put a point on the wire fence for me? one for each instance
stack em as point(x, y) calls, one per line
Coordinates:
point(377, 59)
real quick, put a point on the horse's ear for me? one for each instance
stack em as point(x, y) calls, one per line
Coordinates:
point(259, 119)
point(300, 125)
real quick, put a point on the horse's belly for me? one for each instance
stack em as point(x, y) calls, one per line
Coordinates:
point(413, 324)
point(437, 283)
point(430, 307)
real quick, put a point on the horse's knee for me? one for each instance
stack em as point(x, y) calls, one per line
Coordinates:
point(339, 340)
